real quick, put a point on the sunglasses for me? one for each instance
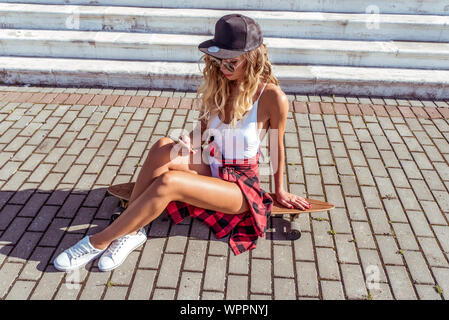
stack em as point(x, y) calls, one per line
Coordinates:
point(230, 66)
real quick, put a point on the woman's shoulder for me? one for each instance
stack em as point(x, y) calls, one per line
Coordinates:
point(273, 97)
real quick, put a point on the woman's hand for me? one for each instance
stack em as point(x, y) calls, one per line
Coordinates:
point(291, 200)
point(185, 142)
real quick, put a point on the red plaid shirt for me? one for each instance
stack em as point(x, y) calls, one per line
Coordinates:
point(247, 226)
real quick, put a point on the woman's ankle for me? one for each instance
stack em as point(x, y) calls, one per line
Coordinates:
point(97, 245)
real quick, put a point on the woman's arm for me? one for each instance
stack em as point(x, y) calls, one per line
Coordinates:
point(278, 120)
point(279, 107)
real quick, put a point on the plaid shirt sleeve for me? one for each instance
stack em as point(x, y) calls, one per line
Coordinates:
point(245, 227)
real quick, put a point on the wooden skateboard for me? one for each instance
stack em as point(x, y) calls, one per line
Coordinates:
point(123, 192)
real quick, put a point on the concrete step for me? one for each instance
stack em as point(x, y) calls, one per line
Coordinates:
point(316, 25)
point(183, 48)
point(323, 80)
point(437, 7)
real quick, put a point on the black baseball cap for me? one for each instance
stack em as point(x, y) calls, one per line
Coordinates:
point(235, 34)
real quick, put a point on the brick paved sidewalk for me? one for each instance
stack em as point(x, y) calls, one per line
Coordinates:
point(382, 162)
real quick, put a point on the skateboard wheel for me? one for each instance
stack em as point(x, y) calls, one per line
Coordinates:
point(123, 203)
point(113, 217)
point(293, 234)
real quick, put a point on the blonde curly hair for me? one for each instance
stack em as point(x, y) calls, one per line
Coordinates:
point(216, 88)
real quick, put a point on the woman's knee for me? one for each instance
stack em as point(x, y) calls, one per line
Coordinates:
point(164, 141)
point(160, 149)
point(165, 184)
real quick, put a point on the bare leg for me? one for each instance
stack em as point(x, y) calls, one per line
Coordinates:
point(156, 164)
point(147, 207)
point(198, 190)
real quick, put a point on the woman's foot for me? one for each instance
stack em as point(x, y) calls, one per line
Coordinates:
point(120, 249)
point(77, 256)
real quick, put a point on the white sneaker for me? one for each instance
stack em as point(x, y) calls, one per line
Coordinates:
point(120, 249)
point(77, 256)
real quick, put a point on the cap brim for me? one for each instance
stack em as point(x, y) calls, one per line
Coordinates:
point(210, 47)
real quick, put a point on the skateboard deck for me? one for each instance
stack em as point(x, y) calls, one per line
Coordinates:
point(123, 192)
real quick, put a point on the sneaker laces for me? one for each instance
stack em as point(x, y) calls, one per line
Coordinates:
point(118, 243)
point(79, 250)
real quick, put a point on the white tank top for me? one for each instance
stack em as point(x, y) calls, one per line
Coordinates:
point(241, 142)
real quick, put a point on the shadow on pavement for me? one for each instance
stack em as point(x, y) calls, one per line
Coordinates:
point(37, 225)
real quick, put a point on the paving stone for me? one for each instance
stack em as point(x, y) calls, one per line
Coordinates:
point(371, 197)
point(96, 285)
point(237, 288)
point(418, 267)
point(152, 253)
point(284, 289)
point(24, 247)
point(432, 212)
point(379, 221)
point(329, 174)
point(372, 267)
point(21, 290)
point(47, 285)
point(340, 221)
point(363, 235)
point(421, 160)
point(260, 281)
point(442, 233)
point(433, 154)
point(408, 199)
point(433, 180)
point(15, 230)
point(353, 281)
point(400, 283)
point(304, 248)
point(320, 233)
point(356, 208)
point(398, 178)
point(214, 278)
point(405, 236)
point(427, 292)
point(334, 195)
point(364, 176)
point(8, 273)
point(195, 256)
point(332, 290)
point(284, 261)
point(382, 292)
point(419, 223)
point(344, 166)
point(190, 285)
point(411, 170)
point(442, 198)
point(327, 264)
point(169, 271)
point(377, 168)
point(307, 280)
point(351, 142)
point(115, 293)
point(442, 279)
point(389, 250)
point(346, 250)
point(432, 252)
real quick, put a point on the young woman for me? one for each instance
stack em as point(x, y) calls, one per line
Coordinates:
point(241, 96)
